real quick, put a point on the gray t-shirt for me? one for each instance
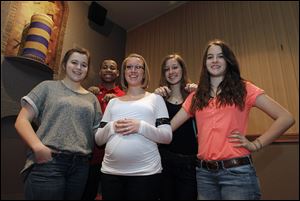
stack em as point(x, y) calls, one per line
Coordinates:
point(67, 120)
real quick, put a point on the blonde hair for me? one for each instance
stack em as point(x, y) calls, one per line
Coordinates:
point(146, 78)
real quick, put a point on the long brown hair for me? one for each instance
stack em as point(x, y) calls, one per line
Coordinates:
point(233, 89)
point(184, 79)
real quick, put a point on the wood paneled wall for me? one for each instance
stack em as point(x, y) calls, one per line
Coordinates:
point(263, 35)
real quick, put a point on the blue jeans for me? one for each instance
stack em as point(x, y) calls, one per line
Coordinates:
point(236, 183)
point(62, 178)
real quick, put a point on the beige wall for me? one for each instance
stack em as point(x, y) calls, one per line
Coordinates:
point(78, 32)
point(277, 167)
point(263, 35)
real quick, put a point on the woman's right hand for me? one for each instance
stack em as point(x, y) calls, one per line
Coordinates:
point(127, 126)
point(163, 91)
point(42, 154)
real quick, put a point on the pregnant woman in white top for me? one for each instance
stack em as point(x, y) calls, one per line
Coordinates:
point(131, 127)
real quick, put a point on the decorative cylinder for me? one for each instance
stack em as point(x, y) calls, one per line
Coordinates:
point(38, 36)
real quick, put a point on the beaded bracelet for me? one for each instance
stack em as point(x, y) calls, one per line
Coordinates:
point(256, 148)
point(259, 142)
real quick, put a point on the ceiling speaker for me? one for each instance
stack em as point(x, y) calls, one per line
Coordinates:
point(97, 13)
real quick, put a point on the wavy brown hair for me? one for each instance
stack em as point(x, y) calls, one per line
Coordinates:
point(232, 88)
point(184, 79)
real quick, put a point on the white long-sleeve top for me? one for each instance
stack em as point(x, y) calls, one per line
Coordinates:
point(134, 154)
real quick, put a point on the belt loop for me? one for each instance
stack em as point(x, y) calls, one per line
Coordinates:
point(250, 159)
point(222, 164)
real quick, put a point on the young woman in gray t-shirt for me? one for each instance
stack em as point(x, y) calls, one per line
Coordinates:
point(68, 116)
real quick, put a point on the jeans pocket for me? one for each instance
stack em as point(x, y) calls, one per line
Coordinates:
point(54, 155)
point(241, 170)
point(26, 172)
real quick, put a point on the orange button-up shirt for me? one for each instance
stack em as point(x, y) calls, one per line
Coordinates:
point(215, 124)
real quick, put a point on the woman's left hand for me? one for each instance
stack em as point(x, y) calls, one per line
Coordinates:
point(240, 140)
point(126, 126)
point(191, 87)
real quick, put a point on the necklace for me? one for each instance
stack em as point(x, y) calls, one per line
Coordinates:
point(174, 100)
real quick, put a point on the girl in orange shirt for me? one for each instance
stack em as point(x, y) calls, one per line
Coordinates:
point(221, 106)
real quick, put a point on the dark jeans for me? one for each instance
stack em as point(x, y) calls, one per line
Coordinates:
point(116, 187)
point(178, 176)
point(62, 178)
point(92, 184)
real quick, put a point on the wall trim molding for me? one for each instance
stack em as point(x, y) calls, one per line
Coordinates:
point(288, 137)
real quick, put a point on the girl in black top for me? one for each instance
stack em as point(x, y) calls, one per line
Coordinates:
point(178, 157)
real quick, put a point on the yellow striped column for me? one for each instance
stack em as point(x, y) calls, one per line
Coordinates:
point(37, 39)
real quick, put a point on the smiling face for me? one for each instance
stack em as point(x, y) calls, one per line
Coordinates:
point(109, 71)
point(77, 67)
point(215, 61)
point(173, 71)
point(134, 71)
